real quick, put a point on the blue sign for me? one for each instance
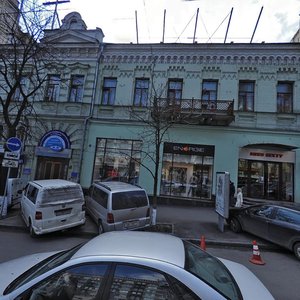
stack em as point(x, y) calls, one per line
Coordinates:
point(13, 144)
point(55, 140)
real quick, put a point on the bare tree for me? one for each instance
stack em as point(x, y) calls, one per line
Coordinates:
point(160, 115)
point(23, 61)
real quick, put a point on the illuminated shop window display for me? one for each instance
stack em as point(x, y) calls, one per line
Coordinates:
point(187, 170)
point(117, 160)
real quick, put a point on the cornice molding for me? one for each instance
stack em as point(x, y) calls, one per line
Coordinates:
point(187, 59)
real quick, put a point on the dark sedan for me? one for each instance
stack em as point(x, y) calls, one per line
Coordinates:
point(277, 223)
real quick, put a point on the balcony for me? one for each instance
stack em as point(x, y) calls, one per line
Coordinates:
point(198, 112)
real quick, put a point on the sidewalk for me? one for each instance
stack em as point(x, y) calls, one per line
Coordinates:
point(186, 222)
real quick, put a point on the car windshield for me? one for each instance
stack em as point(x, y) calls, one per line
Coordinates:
point(211, 270)
point(42, 267)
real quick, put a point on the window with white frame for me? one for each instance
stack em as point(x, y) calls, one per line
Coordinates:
point(109, 91)
point(175, 89)
point(52, 91)
point(246, 95)
point(284, 97)
point(76, 88)
point(141, 92)
point(209, 90)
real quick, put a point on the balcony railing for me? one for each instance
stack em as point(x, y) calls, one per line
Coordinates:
point(197, 111)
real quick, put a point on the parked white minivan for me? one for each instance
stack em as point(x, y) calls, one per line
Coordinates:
point(115, 205)
point(52, 205)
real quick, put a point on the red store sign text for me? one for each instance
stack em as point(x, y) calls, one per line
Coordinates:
point(261, 154)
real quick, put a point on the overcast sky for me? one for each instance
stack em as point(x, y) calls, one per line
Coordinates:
point(278, 22)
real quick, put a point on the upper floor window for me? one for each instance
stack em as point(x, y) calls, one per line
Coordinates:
point(141, 92)
point(175, 89)
point(21, 89)
point(76, 88)
point(209, 90)
point(52, 91)
point(246, 95)
point(284, 97)
point(109, 91)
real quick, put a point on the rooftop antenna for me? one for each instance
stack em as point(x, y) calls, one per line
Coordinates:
point(164, 27)
point(55, 14)
point(196, 25)
point(228, 25)
point(256, 24)
point(136, 28)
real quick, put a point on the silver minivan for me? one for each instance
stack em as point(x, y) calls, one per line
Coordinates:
point(52, 205)
point(115, 205)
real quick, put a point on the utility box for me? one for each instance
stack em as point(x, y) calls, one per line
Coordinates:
point(14, 191)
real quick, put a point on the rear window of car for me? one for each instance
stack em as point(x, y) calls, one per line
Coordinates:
point(61, 194)
point(130, 199)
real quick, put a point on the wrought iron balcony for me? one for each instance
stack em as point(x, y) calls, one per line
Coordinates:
point(197, 111)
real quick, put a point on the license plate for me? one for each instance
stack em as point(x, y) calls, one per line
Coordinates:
point(131, 224)
point(62, 212)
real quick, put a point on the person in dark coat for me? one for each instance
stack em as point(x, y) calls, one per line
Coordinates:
point(231, 194)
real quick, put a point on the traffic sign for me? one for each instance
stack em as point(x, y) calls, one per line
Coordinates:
point(9, 163)
point(11, 155)
point(13, 144)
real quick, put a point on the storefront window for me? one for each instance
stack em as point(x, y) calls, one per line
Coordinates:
point(287, 182)
point(266, 179)
point(117, 160)
point(187, 170)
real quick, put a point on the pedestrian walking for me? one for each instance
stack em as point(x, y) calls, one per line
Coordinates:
point(239, 198)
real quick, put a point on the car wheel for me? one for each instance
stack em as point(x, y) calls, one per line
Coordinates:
point(297, 250)
point(31, 230)
point(235, 225)
point(100, 227)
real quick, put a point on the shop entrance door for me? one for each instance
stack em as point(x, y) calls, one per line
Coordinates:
point(272, 184)
point(264, 180)
point(49, 168)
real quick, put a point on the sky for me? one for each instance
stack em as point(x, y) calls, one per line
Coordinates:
point(125, 21)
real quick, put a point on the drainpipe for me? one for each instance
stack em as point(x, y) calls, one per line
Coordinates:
point(86, 120)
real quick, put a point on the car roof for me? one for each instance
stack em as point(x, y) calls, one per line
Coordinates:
point(117, 186)
point(53, 183)
point(148, 245)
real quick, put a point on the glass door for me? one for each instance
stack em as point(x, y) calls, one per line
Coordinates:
point(257, 184)
point(266, 180)
point(272, 183)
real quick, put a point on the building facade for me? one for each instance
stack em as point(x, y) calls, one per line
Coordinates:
point(9, 15)
point(228, 108)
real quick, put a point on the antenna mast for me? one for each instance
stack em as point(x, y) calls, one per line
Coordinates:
point(228, 25)
point(256, 24)
point(194, 38)
point(55, 14)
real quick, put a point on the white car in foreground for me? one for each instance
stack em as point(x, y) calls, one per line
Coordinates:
point(129, 265)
